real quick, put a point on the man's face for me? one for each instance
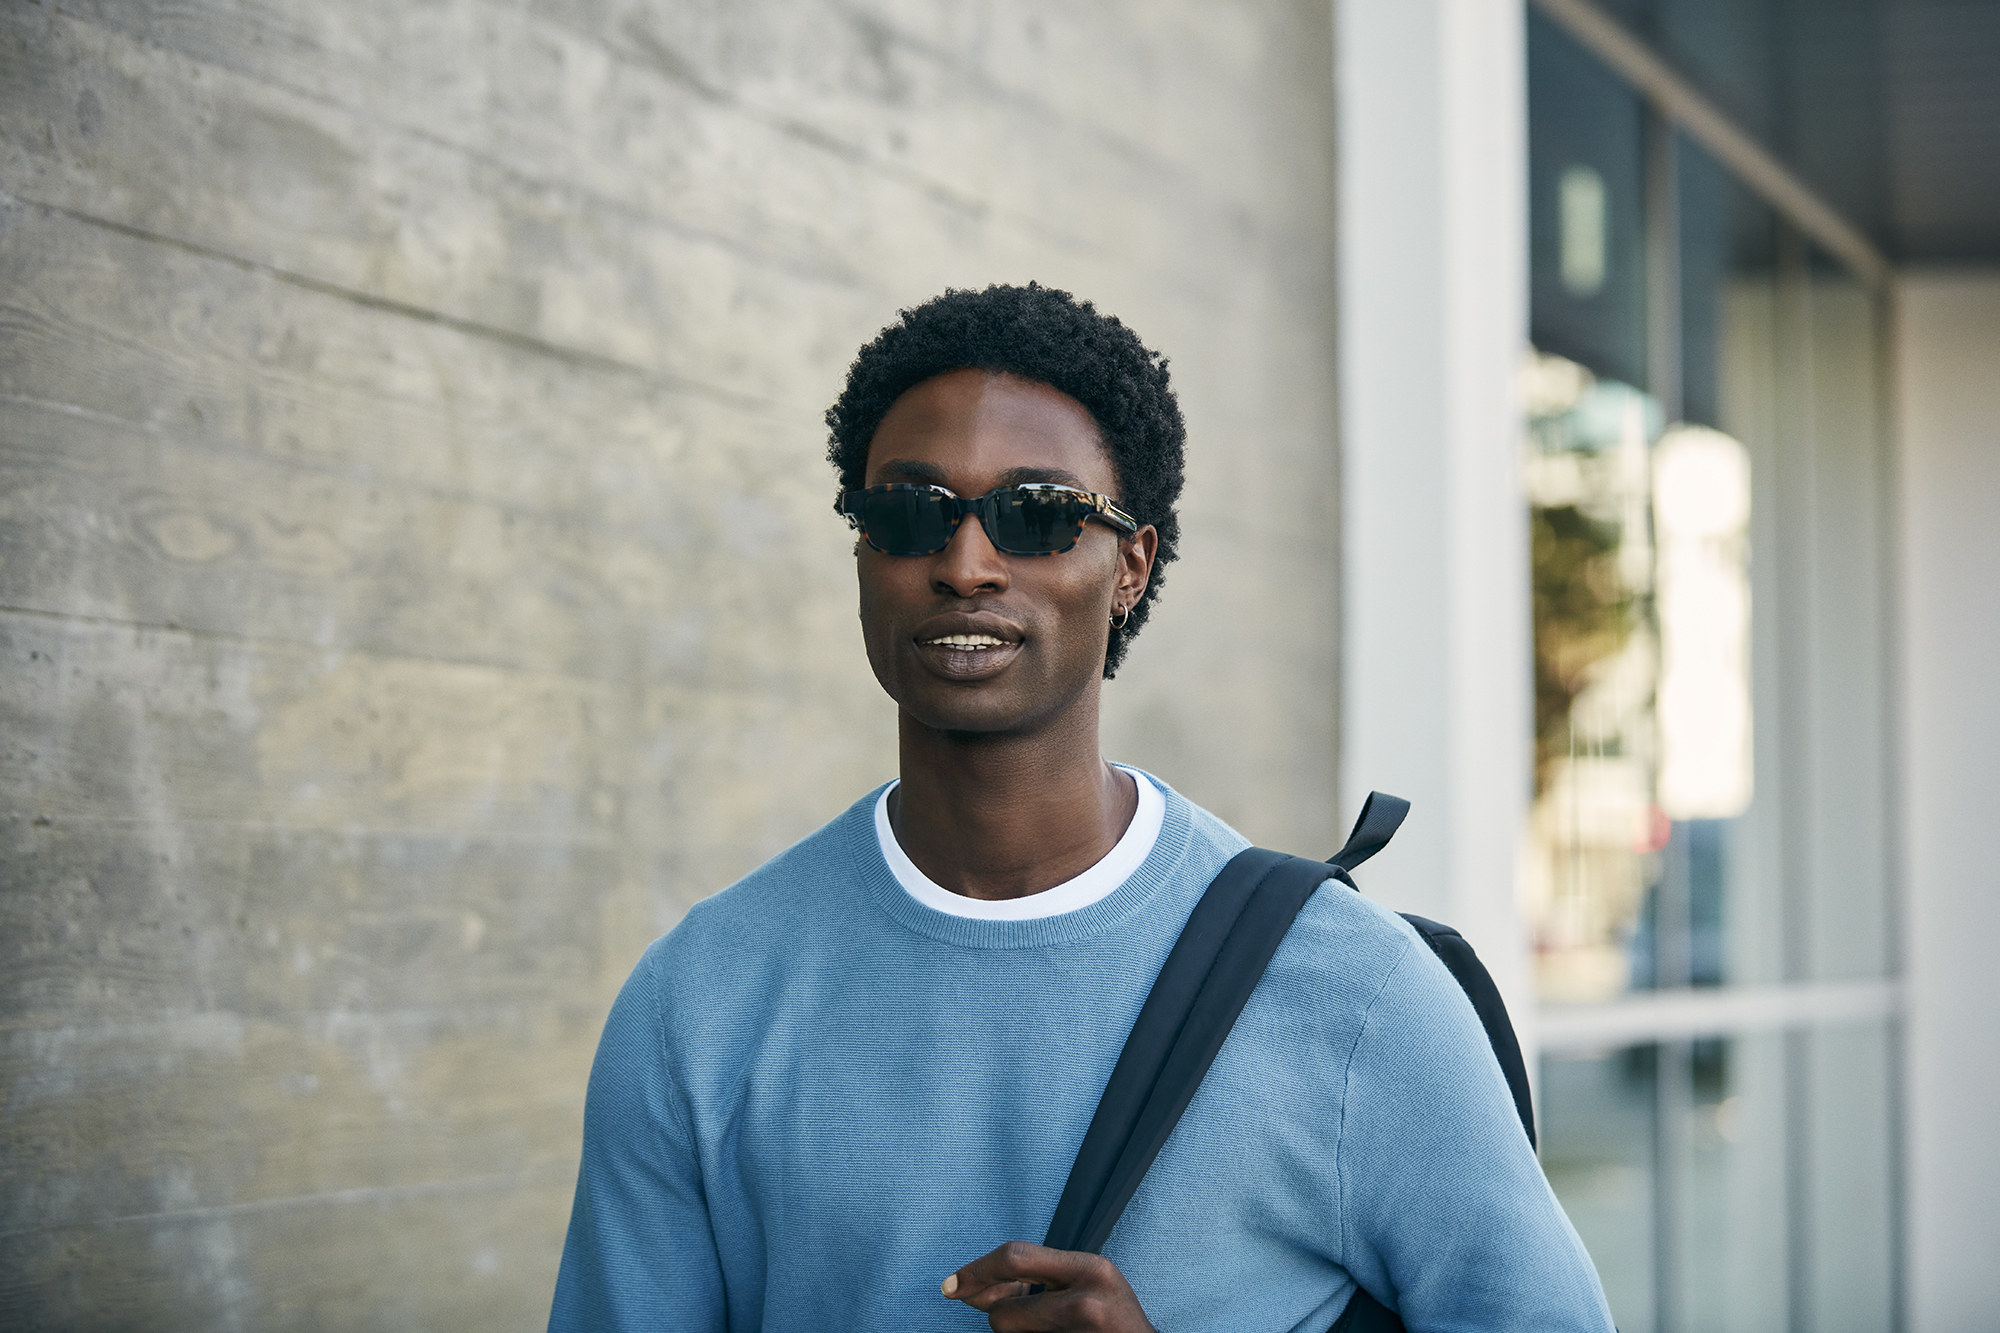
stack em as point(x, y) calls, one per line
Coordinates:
point(971, 639)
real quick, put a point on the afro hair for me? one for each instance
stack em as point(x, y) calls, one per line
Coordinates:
point(1046, 335)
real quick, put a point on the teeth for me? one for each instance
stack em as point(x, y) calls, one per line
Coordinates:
point(967, 641)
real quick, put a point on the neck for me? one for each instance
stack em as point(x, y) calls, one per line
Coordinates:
point(1005, 816)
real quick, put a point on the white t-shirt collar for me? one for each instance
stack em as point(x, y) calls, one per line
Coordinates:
point(1100, 881)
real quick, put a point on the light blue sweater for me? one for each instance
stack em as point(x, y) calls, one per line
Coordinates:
point(816, 1097)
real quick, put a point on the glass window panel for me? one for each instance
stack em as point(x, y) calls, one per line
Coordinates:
point(1848, 1275)
point(1732, 371)
point(1595, 831)
point(1597, 1150)
point(1843, 754)
point(1646, 871)
point(1730, 1166)
point(1809, 892)
point(1728, 237)
point(1586, 249)
point(1742, 1182)
point(1731, 1183)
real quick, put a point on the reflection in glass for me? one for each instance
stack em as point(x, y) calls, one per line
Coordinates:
point(1701, 521)
point(1679, 1165)
point(1846, 1277)
point(1585, 208)
point(1597, 1134)
point(1725, 1136)
point(1711, 728)
point(1833, 562)
point(1593, 829)
point(1584, 221)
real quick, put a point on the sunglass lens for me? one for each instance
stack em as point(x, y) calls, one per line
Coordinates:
point(1036, 522)
point(910, 522)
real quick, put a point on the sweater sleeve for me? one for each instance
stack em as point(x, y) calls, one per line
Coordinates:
point(640, 1252)
point(1445, 1214)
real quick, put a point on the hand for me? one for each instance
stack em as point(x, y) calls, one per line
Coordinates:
point(1025, 1288)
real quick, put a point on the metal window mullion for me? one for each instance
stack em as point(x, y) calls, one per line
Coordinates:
point(1664, 344)
point(1673, 1089)
point(1798, 615)
point(1719, 1011)
point(1672, 945)
point(1889, 492)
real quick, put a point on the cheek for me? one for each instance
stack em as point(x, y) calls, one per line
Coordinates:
point(874, 611)
point(1083, 590)
point(885, 590)
point(870, 603)
point(864, 588)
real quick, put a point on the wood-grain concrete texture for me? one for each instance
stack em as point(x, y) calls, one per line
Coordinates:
point(417, 581)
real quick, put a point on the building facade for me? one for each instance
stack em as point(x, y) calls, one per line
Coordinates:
point(1721, 248)
point(418, 582)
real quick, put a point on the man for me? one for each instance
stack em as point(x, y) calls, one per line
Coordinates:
point(845, 1092)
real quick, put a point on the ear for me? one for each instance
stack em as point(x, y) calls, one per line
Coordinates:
point(1135, 565)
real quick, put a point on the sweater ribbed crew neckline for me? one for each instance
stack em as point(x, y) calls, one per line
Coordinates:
point(1134, 895)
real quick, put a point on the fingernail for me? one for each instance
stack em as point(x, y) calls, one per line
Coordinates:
point(950, 1287)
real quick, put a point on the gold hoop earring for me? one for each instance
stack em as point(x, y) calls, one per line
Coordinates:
point(1119, 623)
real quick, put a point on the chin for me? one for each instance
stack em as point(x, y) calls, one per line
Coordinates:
point(1020, 699)
point(969, 712)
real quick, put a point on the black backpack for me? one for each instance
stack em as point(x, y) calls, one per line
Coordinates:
point(1215, 964)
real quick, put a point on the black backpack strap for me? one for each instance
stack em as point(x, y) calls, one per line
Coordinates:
point(1229, 940)
point(1159, 1023)
point(1185, 1019)
point(1381, 815)
point(1220, 956)
point(1456, 954)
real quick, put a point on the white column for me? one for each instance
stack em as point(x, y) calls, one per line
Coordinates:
point(1948, 345)
point(1437, 677)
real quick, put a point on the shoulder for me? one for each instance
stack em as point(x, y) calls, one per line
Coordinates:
point(733, 941)
point(1342, 954)
point(1341, 938)
point(808, 876)
point(1366, 937)
point(1399, 1003)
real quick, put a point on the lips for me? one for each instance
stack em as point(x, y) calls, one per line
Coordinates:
point(969, 642)
point(967, 646)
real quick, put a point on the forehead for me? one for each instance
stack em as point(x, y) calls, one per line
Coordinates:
point(967, 428)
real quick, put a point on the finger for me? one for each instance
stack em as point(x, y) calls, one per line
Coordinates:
point(1051, 1312)
point(985, 1298)
point(1020, 1261)
point(1023, 1314)
point(961, 1286)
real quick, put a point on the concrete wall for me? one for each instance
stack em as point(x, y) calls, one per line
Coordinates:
point(1949, 437)
point(416, 575)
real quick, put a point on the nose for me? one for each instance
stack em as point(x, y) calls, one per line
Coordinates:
point(969, 565)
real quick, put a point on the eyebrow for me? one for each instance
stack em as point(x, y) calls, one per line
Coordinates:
point(930, 474)
point(908, 469)
point(1015, 476)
